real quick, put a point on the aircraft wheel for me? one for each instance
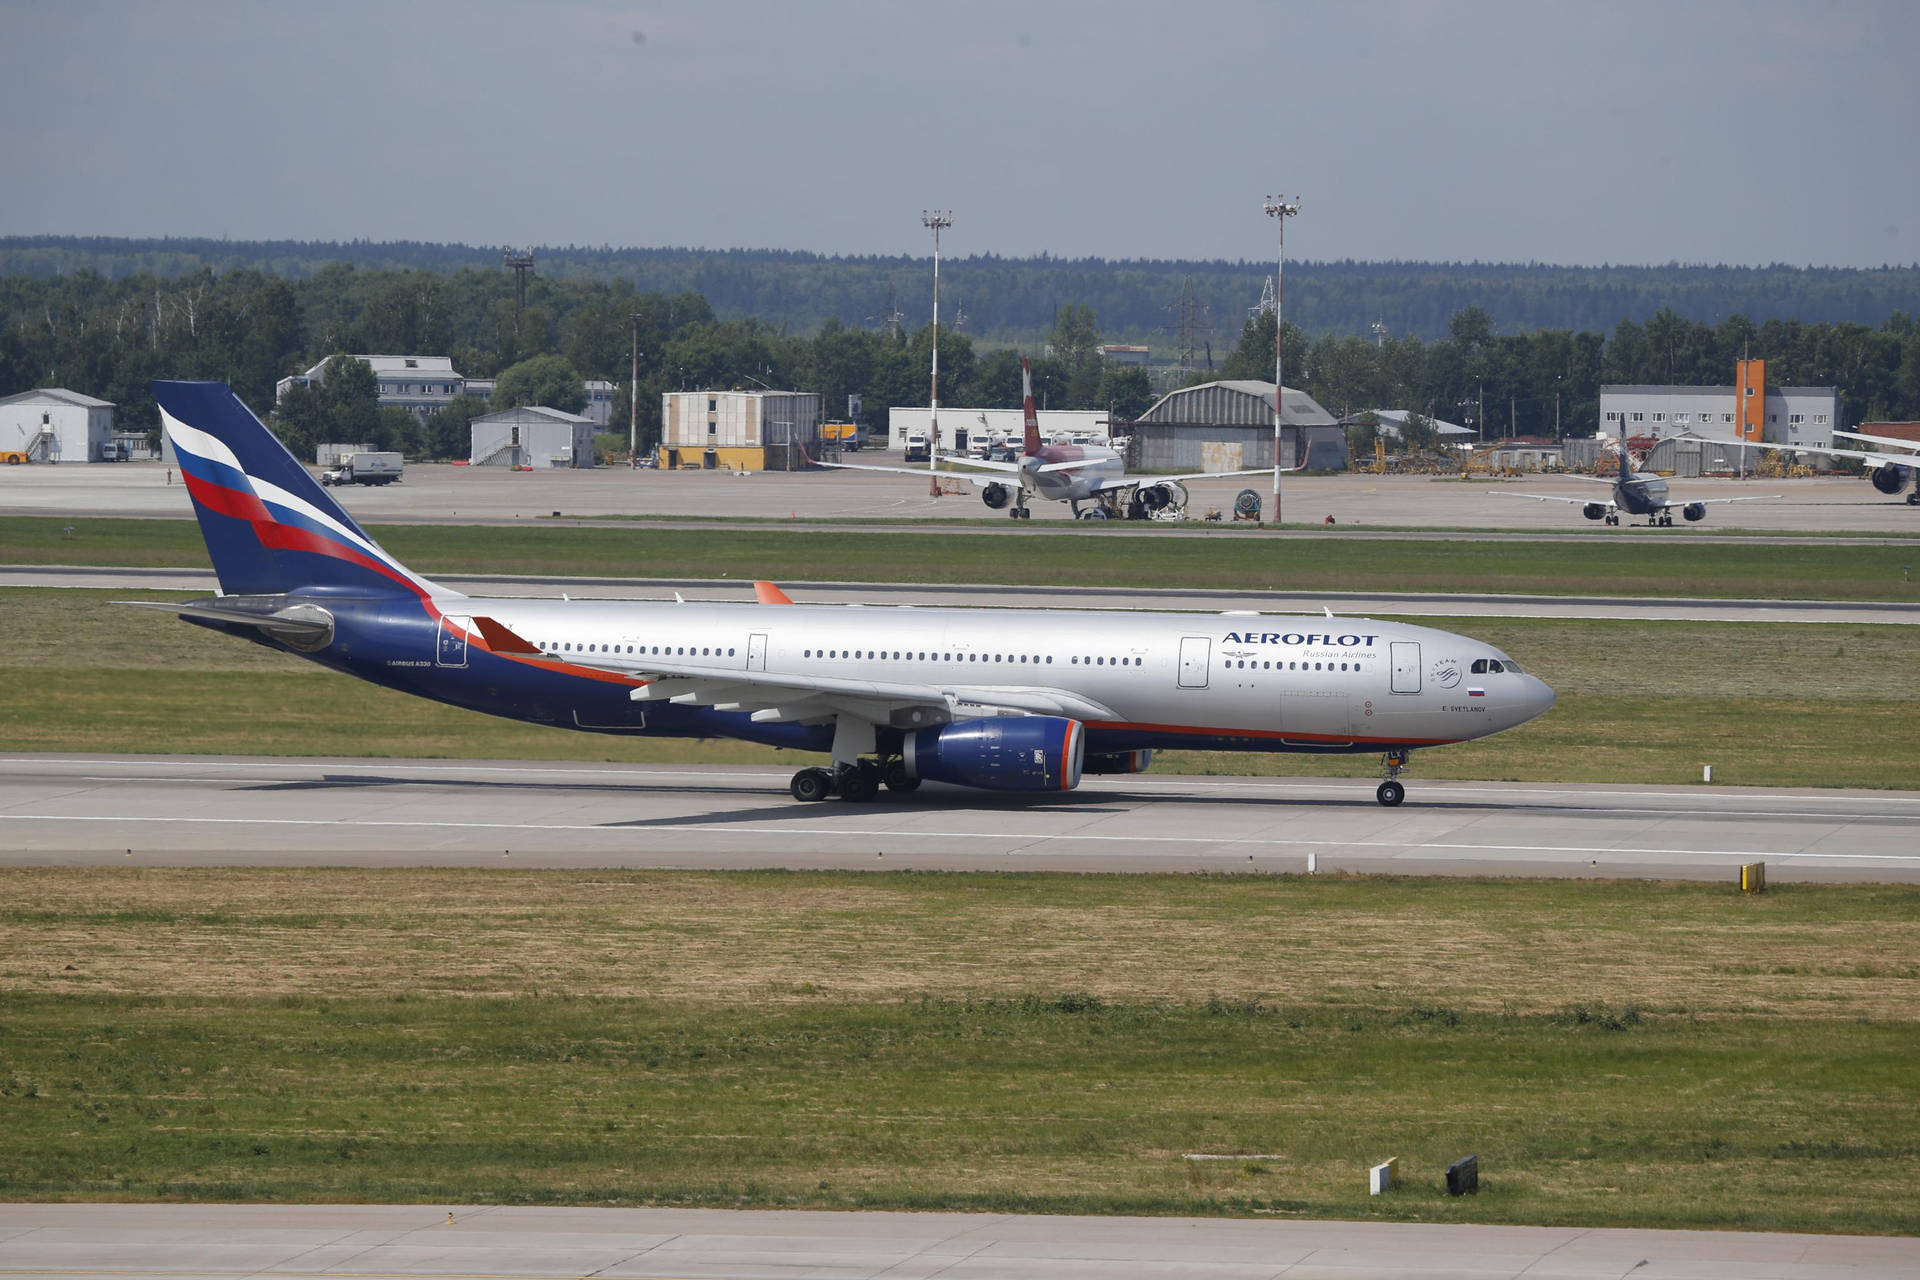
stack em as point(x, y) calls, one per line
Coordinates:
point(1390, 793)
point(811, 785)
point(859, 784)
point(1094, 513)
point(898, 780)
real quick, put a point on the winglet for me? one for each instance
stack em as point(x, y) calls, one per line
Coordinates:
point(502, 640)
point(767, 593)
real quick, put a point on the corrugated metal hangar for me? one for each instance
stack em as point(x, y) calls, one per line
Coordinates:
point(56, 425)
point(532, 436)
point(1228, 426)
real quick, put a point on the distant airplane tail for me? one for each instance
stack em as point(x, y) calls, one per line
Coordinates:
point(1033, 418)
point(269, 528)
point(1626, 463)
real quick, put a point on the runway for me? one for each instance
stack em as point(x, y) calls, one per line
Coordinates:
point(148, 1242)
point(241, 811)
point(1350, 603)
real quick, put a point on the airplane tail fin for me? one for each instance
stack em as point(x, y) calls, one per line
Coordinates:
point(269, 528)
point(1033, 418)
point(1626, 463)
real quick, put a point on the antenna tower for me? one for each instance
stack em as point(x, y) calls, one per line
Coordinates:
point(892, 316)
point(1191, 325)
point(521, 264)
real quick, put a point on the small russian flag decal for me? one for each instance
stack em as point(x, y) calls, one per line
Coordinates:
point(1476, 693)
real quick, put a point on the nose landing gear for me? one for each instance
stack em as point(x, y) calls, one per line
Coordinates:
point(1392, 791)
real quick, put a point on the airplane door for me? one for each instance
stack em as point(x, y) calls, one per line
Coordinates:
point(1194, 654)
point(452, 650)
point(757, 652)
point(1406, 666)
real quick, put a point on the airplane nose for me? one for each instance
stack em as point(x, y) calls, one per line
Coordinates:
point(1538, 698)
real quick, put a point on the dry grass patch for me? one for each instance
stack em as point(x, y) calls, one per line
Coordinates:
point(774, 938)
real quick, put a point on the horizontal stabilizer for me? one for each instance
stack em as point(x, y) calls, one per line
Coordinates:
point(304, 626)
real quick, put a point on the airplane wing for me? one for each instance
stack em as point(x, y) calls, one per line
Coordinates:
point(1128, 482)
point(997, 470)
point(1864, 455)
point(782, 698)
point(1539, 497)
point(1886, 440)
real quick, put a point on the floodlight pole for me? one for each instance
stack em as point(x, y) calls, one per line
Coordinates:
point(1279, 210)
point(633, 408)
point(937, 220)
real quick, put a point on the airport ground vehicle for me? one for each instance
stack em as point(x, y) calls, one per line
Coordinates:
point(917, 448)
point(366, 467)
point(995, 699)
point(843, 435)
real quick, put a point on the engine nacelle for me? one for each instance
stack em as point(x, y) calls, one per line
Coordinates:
point(1162, 495)
point(1118, 761)
point(1889, 479)
point(1594, 510)
point(1694, 511)
point(999, 753)
point(995, 495)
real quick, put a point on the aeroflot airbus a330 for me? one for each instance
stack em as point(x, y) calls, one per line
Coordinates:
point(1006, 700)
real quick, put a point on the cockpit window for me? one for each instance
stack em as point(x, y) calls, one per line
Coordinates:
point(1479, 666)
point(1511, 665)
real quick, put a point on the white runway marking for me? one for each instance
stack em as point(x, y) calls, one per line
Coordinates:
point(922, 833)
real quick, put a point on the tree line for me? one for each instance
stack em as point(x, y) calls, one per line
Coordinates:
point(1014, 300)
point(107, 336)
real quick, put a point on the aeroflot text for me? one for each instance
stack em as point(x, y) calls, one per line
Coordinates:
point(1297, 637)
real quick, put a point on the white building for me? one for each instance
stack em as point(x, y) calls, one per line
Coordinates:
point(740, 430)
point(421, 385)
point(904, 421)
point(56, 425)
point(1792, 415)
point(532, 436)
point(600, 394)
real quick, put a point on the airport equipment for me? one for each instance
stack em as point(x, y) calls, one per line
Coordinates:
point(1753, 877)
point(1380, 1178)
point(1463, 1176)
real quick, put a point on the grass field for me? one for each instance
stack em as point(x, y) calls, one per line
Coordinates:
point(1651, 567)
point(1765, 704)
point(1671, 1055)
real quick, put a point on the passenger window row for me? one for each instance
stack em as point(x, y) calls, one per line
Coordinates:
point(1242, 664)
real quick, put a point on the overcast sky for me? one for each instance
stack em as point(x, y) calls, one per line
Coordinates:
point(1737, 131)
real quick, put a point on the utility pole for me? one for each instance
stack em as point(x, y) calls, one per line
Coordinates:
point(937, 220)
point(1279, 210)
point(633, 410)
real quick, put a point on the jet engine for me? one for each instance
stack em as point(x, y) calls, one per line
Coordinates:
point(1889, 479)
point(1594, 510)
point(1118, 761)
point(1162, 495)
point(995, 495)
point(1694, 511)
point(999, 753)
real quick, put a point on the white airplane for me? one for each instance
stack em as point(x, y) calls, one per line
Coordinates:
point(1892, 471)
point(1636, 494)
point(1005, 700)
point(1070, 473)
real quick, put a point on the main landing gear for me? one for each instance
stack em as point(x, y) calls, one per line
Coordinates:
point(857, 783)
point(1392, 792)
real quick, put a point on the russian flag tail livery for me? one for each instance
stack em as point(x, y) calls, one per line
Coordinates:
point(269, 528)
point(1032, 418)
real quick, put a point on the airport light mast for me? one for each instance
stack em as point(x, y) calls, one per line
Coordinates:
point(1279, 210)
point(937, 220)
